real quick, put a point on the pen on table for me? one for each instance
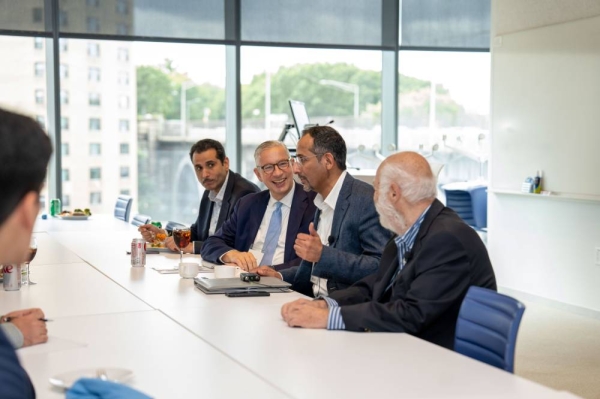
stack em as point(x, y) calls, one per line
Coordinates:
point(8, 319)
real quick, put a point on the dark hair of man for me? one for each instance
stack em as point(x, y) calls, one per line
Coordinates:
point(327, 139)
point(208, 144)
point(25, 150)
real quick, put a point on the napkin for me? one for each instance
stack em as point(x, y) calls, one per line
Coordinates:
point(94, 388)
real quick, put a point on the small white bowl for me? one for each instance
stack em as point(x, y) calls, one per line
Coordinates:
point(189, 269)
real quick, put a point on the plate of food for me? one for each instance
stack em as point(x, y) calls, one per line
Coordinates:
point(66, 380)
point(158, 244)
point(77, 214)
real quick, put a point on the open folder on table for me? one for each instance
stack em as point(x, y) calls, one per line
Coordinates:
point(234, 284)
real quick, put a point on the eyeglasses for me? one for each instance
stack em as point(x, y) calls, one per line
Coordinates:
point(270, 167)
point(301, 159)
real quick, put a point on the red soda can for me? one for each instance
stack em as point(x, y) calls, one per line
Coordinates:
point(12, 277)
point(138, 252)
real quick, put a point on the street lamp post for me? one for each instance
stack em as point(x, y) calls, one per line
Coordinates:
point(185, 86)
point(351, 87)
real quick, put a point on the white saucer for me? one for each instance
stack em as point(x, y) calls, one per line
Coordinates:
point(66, 380)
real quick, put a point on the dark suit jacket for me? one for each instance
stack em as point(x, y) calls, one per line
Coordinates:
point(14, 381)
point(447, 258)
point(240, 230)
point(357, 240)
point(236, 188)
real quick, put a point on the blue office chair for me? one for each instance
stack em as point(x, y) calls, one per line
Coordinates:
point(123, 207)
point(139, 220)
point(470, 203)
point(174, 225)
point(487, 326)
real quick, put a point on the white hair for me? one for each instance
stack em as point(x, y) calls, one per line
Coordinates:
point(414, 188)
point(266, 145)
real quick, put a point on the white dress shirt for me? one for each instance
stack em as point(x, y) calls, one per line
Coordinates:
point(327, 208)
point(259, 240)
point(218, 202)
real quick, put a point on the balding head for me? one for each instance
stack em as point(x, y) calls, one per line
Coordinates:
point(412, 173)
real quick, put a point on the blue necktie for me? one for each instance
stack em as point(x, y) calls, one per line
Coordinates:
point(272, 236)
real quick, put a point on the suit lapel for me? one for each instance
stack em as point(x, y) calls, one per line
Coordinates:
point(227, 198)
point(389, 260)
point(299, 204)
point(206, 215)
point(341, 206)
point(434, 211)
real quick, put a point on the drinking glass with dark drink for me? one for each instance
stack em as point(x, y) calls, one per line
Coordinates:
point(182, 238)
point(30, 255)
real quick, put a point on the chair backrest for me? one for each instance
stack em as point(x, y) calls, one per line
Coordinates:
point(123, 207)
point(479, 202)
point(173, 225)
point(138, 220)
point(460, 202)
point(487, 327)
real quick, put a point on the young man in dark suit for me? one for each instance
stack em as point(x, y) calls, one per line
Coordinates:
point(223, 189)
point(425, 271)
point(25, 152)
point(345, 241)
point(264, 226)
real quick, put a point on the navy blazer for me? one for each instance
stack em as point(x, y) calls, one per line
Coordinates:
point(14, 381)
point(236, 188)
point(356, 242)
point(446, 259)
point(239, 231)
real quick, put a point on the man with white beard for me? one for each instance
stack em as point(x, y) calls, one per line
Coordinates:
point(425, 270)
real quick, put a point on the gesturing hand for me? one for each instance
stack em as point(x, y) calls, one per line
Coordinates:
point(309, 246)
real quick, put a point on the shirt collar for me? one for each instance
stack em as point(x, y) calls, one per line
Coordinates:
point(221, 193)
point(408, 238)
point(332, 198)
point(287, 200)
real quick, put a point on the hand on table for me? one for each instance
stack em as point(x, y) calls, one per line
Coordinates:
point(266, 271)
point(309, 246)
point(28, 322)
point(306, 313)
point(245, 260)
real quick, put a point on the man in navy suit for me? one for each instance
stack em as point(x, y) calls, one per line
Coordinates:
point(345, 242)
point(223, 189)
point(25, 152)
point(425, 271)
point(244, 239)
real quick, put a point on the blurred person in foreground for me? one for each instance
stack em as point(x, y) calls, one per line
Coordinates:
point(223, 189)
point(425, 270)
point(25, 151)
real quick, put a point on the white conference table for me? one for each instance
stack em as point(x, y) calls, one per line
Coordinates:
point(298, 362)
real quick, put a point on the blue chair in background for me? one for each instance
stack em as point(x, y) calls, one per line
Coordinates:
point(174, 225)
point(123, 207)
point(487, 326)
point(139, 220)
point(469, 202)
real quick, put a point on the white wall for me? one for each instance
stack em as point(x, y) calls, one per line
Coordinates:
point(546, 115)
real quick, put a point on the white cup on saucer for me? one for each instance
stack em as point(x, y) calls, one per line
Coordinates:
point(188, 269)
point(226, 271)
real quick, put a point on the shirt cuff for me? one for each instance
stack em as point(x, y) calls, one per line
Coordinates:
point(334, 320)
point(13, 334)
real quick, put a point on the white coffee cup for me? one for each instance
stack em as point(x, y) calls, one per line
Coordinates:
point(188, 269)
point(225, 271)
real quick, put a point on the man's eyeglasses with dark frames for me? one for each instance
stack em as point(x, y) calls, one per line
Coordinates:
point(270, 167)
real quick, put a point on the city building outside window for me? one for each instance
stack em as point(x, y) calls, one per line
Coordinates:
point(93, 49)
point(94, 74)
point(64, 123)
point(95, 198)
point(122, 29)
point(123, 125)
point(38, 43)
point(95, 124)
point(123, 54)
point(38, 14)
point(93, 3)
point(66, 200)
point(92, 25)
point(95, 149)
point(124, 170)
point(123, 78)
point(66, 175)
point(123, 102)
point(94, 99)
point(65, 149)
point(124, 148)
point(95, 173)
point(39, 96)
point(40, 69)
point(122, 7)
point(63, 44)
point(64, 71)
point(63, 19)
